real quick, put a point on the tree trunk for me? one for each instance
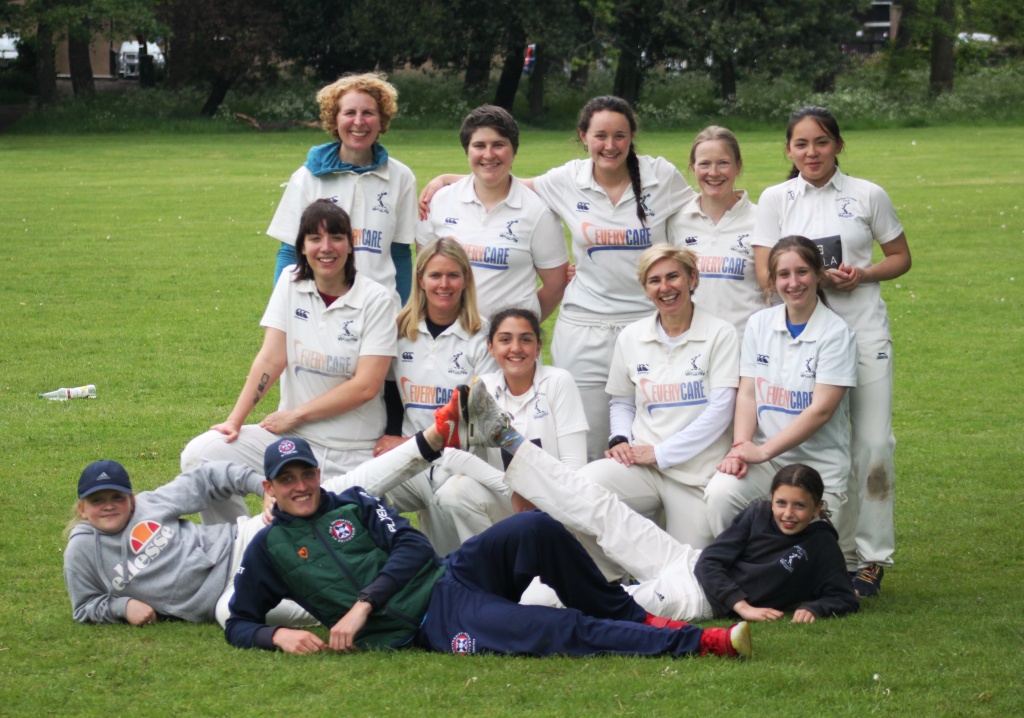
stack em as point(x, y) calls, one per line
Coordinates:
point(179, 54)
point(579, 76)
point(78, 58)
point(478, 70)
point(628, 77)
point(536, 88)
point(726, 78)
point(941, 79)
point(218, 91)
point(825, 83)
point(46, 69)
point(511, 74)
point(904, 16)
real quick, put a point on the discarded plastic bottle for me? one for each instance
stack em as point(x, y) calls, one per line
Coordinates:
point(79, 392)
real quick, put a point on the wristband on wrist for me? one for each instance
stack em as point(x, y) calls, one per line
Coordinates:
point(616, 440)
point(367, 598)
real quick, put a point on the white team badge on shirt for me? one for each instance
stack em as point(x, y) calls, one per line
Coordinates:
point(454, 367)
point(809, 371)
point(643, 204)
point(739, 247)
point(538, 412)
point(346, 332)
point(508, 233)
point(694, 370)
point(844, 206)
point(380, 206)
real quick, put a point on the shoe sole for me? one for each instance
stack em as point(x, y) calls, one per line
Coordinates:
point(465, 426)
point(476, 405)
point(739, 637)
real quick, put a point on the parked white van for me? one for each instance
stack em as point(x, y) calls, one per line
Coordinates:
point(128, 57)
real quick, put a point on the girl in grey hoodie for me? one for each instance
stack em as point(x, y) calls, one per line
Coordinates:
point(133, 558)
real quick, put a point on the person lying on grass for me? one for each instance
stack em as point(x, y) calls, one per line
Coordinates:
point(364, 571)
point(132, 558)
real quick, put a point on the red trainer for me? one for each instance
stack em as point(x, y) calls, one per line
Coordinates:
point(733, 641)
point(662, 622)
point(449, 420)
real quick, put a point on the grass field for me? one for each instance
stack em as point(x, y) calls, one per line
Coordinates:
point(138, 263)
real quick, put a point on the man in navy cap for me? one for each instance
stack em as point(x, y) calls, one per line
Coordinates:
point(362, 570)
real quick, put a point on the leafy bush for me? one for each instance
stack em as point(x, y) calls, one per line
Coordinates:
point(867, 95)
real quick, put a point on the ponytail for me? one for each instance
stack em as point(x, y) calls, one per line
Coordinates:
point(633, 165)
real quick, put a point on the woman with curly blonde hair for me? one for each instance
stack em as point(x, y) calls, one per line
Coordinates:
point(355, 172)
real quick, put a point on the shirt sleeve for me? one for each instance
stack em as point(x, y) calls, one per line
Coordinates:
point(712, 569)
point(621, 414)
point(258, 588)
point(837, 356)
point(553, 183)
point(619, 382)
point(567, 404)
point(885, 225)
point(380, 326)
point(408, 212)
point(547, 244)
point(833, 594)
point(425, 233)
point(408, 550)
point(91, 601)
point(748, 350)
point(479, 358)
point(700, 433)
point(297, 196)
point(768, 218)
point(210, 481)
point(276, 314)
point(680, 191)
point(724, 362)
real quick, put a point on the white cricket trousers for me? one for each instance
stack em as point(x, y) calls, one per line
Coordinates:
point(662, 565)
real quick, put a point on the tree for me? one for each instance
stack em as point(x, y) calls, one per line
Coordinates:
point(1002, 18)
point(900, 42)
point(80, 22)
point(331, 38)
point(219, 42)
point(638, 44)
point(943, 33)
point(473, 32)
point(734, 38)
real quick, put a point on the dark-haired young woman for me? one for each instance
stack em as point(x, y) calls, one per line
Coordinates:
point(329, 335)
point(845, 217)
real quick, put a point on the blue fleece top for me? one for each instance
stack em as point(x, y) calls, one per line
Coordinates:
point(326, 159)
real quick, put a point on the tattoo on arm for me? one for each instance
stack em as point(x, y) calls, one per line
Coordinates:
point(261, 387)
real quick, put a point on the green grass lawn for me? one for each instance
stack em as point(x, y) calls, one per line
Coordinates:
point(138, 263)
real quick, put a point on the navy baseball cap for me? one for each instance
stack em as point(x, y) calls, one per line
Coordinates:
point(100, 475)
point(285, 451)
